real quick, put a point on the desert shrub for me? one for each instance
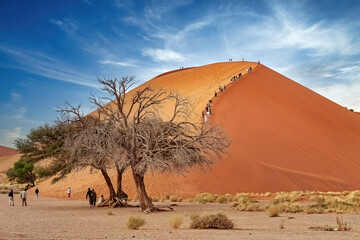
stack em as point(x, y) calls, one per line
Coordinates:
point(174, 198)
point(244, 203)
point(176, 221)
point(341, 226)
point(135, 222)
point(205, 198)
point(288, 197)
point(163, 198)
point(154, 199)
point(343, 203)
point(273, 210)
point(218, 221)
point(290, 207)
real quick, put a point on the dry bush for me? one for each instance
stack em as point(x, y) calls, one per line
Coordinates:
point(290, 207)
point(273, 210)
point(176, 221)
point(217, 221)
point(288, 197)
point(205, 198)
point(164, 198)
point(135, 222)
point(343, 203)
point(174, 198)
point(281, 225)
point(154, 199)
point(342, 225)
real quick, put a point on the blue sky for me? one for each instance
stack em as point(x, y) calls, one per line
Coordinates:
point(52, 51)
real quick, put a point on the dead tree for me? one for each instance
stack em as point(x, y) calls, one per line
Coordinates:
point(93, 141)
point(152, 142)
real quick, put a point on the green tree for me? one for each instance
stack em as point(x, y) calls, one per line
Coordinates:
point(22, 172)
point(43, 143)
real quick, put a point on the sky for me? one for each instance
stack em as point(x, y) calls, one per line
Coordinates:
point(54, 51)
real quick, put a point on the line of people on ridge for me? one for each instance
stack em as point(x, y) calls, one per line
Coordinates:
point(207, 113)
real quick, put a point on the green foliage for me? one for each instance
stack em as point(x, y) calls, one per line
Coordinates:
point(46, 142)
point(22, 172)
point(218, 221)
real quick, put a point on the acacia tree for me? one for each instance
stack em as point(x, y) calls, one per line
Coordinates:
point(45, 142)
point(153, 142)
point(93, 141)
point(22, 172)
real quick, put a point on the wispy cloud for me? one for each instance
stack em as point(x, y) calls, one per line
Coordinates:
point(19, 113)
point(15, 96)
point(40, 64)
point(14, 133)
point(125, 64)
point(163, 55)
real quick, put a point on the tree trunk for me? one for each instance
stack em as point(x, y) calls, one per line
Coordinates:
point(109, 184)
point(120, 172)
point(145, 202)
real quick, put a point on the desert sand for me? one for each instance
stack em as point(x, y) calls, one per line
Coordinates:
point(45, 218)
point(284, 137)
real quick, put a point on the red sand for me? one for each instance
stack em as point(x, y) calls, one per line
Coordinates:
point(284, 136)
point(5, 151)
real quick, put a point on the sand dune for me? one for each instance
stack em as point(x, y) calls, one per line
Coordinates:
point(284, 136)
point(8, 157)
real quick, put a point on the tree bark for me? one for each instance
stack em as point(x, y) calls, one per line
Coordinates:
point(108, 183)
point(120, 172)
point(145, 201)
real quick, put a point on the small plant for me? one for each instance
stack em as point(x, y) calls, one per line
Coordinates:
point(281, 225)
point(217, 221)
point(342, 226)
point(176, 221)
point(110, 213)
point(154, 199)
point(273, 210)
point(135, 222)
point(174, 198)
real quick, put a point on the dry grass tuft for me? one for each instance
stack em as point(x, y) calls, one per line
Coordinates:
point(273, 210)
point(217, 221)
point(109, 212)
point(176, 221)
point(135, 222)
point(174, 198)
point(341, 226)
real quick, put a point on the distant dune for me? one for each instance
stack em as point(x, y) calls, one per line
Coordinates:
point(5, 151)
point(8, 156)
point(284, 136)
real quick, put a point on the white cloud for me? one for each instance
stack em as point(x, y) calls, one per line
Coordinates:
point(19, 113)
point(11, 135)
point(15, 96)
point(40, 64)
point(125, 64)
point(163, 55)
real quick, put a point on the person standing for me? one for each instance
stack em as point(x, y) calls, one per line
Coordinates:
point(37, 192)
point(69, 192)
point(11, 198)
point(89, 195)
point(93, 198)
point(23, 196)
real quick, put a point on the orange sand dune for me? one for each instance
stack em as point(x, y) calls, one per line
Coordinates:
point(8, 157)
point(284, 136)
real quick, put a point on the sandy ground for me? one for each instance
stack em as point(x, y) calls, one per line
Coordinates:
point(72, 219)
